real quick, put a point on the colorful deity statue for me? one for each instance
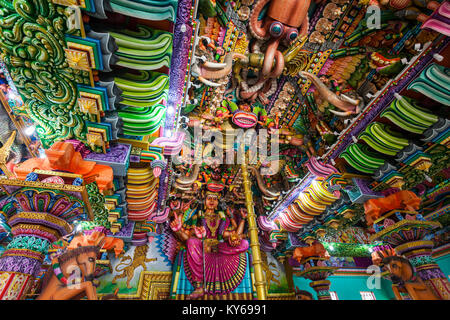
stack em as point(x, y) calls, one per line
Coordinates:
point(215, 254)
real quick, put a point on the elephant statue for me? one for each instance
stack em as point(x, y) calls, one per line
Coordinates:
point(348, 105)
point(206, 71)
point(269, 192)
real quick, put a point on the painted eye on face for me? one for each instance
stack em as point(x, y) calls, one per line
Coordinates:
point(276, 29)
point(292, 35)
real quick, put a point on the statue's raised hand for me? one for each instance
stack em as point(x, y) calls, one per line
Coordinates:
point(200, 232)
point(187, 205)
point(177, 223)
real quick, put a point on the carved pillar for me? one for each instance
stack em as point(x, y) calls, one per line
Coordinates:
point(33, 232)
point(318, 270)
point(260, 282)
point(419, 255)
point(322, 288)
point(39, 213)
point(406, 237)
point(288, 270)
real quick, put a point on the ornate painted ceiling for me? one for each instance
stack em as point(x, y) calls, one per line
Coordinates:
point(295, 111)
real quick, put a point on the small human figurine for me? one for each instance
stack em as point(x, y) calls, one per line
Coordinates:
point(269, 123)
point(221, 115)
point(288, 136)
point(245, 107)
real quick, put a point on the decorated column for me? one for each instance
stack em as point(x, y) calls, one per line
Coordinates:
point(407, 237)
point(33, 232)
point(318, 270)
point(419, 254)
point(39, 213)
point(260, 282)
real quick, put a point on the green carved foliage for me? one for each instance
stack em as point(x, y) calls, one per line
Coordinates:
point(97, 201)
point(32, 46)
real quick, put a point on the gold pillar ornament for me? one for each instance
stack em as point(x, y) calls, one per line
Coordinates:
point(260, 283)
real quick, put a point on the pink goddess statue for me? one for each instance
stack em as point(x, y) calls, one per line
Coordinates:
point(215, 259)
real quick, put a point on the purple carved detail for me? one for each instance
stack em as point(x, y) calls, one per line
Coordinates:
point(162, 188)
point(265, 245)
point(275, 95)
point(387, 99)
point(97, 228)
point(362, 262)
point(117, 158)
point(139, 242)
point(46, 223)
point(317, 15)
point(429, 274)
point(178, 65)
point(446, 173)
point(183, 31)
point(118, 153)
point(294, 241)
point(135, 158)
point(4, 201)
point(125, 233)
point(294, 263)
point(291, 196)
point(74, 194)
point(20, 264)
point(11, 189)
point(160, 216)
point(320, 169)
point(364, 187)
point(266, 224)
point(390, 191)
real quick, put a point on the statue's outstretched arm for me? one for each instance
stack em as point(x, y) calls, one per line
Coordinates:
point(177, 227)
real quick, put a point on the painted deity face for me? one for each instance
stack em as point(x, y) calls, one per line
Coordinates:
point(211, 202)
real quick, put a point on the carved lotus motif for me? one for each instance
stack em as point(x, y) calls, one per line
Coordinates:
point(78, 60)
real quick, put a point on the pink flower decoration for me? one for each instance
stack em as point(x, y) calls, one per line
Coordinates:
point(388, 222)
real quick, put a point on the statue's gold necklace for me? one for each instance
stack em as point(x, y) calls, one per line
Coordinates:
point(209, 219)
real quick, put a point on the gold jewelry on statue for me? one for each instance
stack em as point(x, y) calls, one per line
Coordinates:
point(210, 214)
point(212, 229)
point(212, 194)
point(211, 242)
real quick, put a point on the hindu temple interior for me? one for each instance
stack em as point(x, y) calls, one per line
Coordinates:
point(224, 150)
